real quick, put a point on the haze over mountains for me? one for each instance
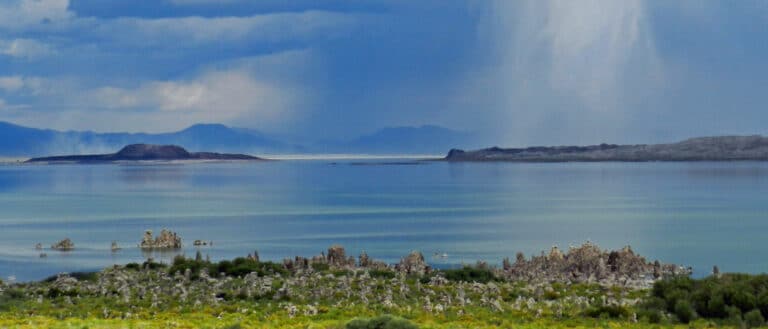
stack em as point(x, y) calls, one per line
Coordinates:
point(19, 141)
point(427, 139)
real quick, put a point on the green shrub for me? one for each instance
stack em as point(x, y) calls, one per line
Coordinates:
point(14, 294)
point(152, 265)
point(608, 311)
point(470, 274)
point(734, 314)
point(384, 274)
point(381, 322)
point(754, 318)
point(762, 303)
point(684, 311)
point(320, 267)
point(7, 302)
point(85, 276)
point(10, 298)
point(133, 266)
point(237, 267)
point(56, 292)
point(725, 297)
point(80, 276)
point(551, 295)
point(181, 264)
point(743, 298)
point(652, 316)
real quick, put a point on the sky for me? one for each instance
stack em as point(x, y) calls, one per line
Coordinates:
point(514, 72)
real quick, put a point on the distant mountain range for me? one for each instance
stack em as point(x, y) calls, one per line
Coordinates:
point(427, 139)
point(22, 141)
point(19, 141)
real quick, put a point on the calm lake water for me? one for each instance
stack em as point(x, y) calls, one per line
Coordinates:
point(698, 214)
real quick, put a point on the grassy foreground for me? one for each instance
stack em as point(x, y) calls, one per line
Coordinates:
point(233, 320)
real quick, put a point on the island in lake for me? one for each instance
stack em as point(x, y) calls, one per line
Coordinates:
point(721, 148)
point(145, 152)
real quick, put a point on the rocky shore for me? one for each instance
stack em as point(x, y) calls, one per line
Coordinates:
point(582, 280)
point(585, 264)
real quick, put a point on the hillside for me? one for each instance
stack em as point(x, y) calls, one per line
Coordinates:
point(145, 152)
point(721, 148)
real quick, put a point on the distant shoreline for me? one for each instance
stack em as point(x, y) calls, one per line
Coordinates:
point(721, 148)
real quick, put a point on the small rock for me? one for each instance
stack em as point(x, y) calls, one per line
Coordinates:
point(413, 264)
point(166, 240)
point(336, 255)
point(63, 245)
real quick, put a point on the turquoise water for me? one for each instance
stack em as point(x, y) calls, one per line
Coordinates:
point(698, 214)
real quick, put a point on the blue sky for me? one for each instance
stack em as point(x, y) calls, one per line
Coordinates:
point(517, 72)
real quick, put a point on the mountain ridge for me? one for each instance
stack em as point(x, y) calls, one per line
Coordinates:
point(424, 139)
point(17, 140)
point(20, 141)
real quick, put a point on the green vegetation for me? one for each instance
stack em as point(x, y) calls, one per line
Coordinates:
point(469, 274)
point(384, 274)
point(80, 276)
point(244, 293)
point(609, 311)
point(733, 298)
point(237, 268)
point(381, 322)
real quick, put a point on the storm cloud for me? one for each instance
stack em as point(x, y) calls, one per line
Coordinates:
point(515, 72)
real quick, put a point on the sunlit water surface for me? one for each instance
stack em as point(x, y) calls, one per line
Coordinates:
point(698, 214)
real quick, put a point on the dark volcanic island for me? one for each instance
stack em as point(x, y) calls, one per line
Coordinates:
point(723, 148)
point(145, 152)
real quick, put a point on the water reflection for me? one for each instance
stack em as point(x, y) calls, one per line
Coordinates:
point(153, 176)
point(161, 255)
point(699, 214)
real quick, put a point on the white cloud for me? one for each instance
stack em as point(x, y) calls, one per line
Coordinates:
point(194, 31)
point(54, 17)
point(263, 92)
point(214, 96)
point(11, 83)
point(20, 14)
point(25, 48)
point(24, 84)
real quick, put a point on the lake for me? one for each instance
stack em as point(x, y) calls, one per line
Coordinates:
point(698, 214)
